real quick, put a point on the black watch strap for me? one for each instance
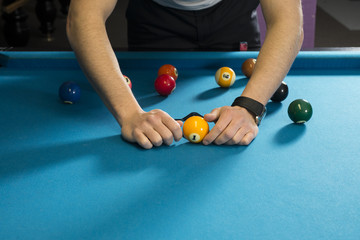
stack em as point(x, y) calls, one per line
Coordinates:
point(250, 104)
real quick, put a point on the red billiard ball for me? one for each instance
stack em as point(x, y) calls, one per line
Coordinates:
point(169, 70)
point(225, 77)
point(248, 67)
point(165, 84)
point(128, 81)
point(69, 92)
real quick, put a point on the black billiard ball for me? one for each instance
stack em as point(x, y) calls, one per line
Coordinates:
point(69, 92)
point(281, 93)
point(300, 111)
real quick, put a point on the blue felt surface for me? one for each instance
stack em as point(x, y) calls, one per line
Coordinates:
point(66, 173)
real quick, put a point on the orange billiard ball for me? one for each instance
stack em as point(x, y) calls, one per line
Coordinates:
point(248, 67)
point(169, 70)
point(225, 77)
point(128, 81)
point(195, 129)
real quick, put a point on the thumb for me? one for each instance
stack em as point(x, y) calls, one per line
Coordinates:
point(213, 115)
point(180, 123)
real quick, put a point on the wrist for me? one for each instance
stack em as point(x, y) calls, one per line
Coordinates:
point(127, 114)
point(255, 108)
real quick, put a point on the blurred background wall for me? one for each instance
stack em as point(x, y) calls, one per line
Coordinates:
point(327, 24)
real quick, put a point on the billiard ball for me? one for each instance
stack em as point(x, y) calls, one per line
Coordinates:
point(169, 70)
point(195, 129)
point(281, 93)
point(165, 84)
point(248, 66)
point(69, 92)
point(300, 111)
point(225, 77)
point(128, 81)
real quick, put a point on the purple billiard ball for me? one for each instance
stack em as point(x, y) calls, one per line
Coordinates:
point(69, 92)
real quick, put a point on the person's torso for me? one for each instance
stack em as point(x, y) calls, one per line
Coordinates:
point(192, 5)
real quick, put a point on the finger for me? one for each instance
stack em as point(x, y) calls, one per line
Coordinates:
point(174, 127)
point(156, 131)
point(165, 133)
point(142, 140)
point(167, 127)
point(238, 136)
point(247, 139)
point(213, 115)
point(228, 133)
point(154, 137)
point(219, 127)
point(181, 123)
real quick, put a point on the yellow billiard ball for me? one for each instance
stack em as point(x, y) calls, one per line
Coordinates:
point(225, 77)
point(195, 129)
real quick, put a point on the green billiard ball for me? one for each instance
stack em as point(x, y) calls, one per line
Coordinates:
point(300, 111)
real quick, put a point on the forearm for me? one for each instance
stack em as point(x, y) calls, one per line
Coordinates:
point(98, 61)
point(282, 43)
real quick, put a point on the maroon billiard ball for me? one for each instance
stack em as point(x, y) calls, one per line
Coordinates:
point(128, 81)
point(248, 67)
point(165, 84)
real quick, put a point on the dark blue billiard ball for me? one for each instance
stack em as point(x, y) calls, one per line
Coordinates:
point(69, 92)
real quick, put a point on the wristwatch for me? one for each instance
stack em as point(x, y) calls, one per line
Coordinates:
point(254, 107)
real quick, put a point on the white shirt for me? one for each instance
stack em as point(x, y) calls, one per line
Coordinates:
point(188, 4)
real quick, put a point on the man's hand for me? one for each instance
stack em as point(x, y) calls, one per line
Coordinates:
point(152, 128)
point(234, 126)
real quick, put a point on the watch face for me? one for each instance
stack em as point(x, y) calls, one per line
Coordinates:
point(258, 119)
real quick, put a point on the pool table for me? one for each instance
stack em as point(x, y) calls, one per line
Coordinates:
point(66, 172)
